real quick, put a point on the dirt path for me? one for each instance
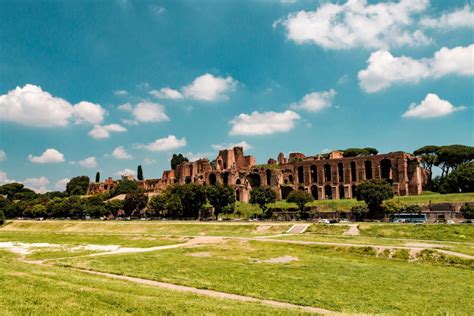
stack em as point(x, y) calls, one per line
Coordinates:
point(352, 231)
point(298, 229)
point(211, 293)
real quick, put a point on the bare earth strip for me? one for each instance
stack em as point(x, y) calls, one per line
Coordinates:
point(215, 294)
point(297, 229)
point(352, 231)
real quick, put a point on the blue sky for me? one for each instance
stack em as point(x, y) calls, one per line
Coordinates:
point(108, 85)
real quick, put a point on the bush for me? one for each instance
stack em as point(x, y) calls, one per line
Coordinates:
point(157, 205)
point(262, 196)
point(300, 198)
point(77, 185)
point(467, 211)
point(2, 218)
point(220, 197)
point(360, 212)
point(374, 192)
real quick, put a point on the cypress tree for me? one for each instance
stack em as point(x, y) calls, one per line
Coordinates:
point(97, 177)
point(139, 173)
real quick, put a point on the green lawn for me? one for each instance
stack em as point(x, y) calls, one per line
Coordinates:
point(341, 279)
point(27, 289)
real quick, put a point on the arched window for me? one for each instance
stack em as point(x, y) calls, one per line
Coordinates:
point(314, 173)
point(340, 171)
point(328, 192)
point(353, 171)
point(327, 172)
point(300, 174)
point(212, 179)
point(314, 192)
point(368, 169)
point(269, 177)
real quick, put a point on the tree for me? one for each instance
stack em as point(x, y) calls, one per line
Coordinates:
point(192, 196)
point(2, 218)
point(220, 196)
point(371, 150)
point(452, 156)
point(262, 196)
point(460, 180)
point(359, 212)
point(17, 191)
point(467, 211)
point(97, 177)
point(174, 206)
point(157, 204)
point(139, 173)
point(114, 206)
point(429, 157)
point(77, 185)
point(134, 203)
point(359, 152)
point(300, 198)
point(177, 160)
point(125, 187)
point(374, 192)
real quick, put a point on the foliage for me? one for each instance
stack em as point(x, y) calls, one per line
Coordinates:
point(177, 159)
point(220, 197)
point(139, 173)
point(77, 185)
point(429, 158)
point(374, 192)
point(16, 191)
point(192, 197)
point(174, 207)
point(97, 177)
point(125, 187)
point(300, 198)
point(452, 156)
point(2, 218)
point(262, 196)
point(460, 180)
point(360, 212)
point(157, 205)
point(467, 211)
point(359, 152)
point(114, 206)
point(134, 203)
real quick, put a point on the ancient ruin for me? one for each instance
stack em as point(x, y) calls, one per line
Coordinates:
point(330, 176)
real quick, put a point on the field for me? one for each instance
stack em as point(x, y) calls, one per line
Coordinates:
point(195, 268)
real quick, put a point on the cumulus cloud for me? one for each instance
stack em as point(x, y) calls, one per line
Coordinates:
point(121, 153)
point(263, 123)
point(4, 178)
point(60, 185)
point(315, 101)
point(167, 93)
point(458, 18)
point(3, 155)
point(50, 155)
point(89, 162)
point(206, 87)
point(243, 144)
point(431, 106)
point(100, 131)
point(120, 93)
point(165, 144)
point(145, 112)
point(125, 172)
point(196, 156)
point(37, 184)
point(31, 106)
point(358, 24)
point(384, 69)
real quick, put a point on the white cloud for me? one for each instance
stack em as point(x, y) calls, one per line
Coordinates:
point(149, 112)
point(149, 161)
point(431, 106)
point(125, 172)
point(209, 88)
point(315, 101)
point(37, 184)
point(167, 93)
point(243, 144)
point(121, 153)
point(126, 107)
point(50, 155)
point(384, 69)
point(358, 24)
point(31, 106)
point(89, 162)
point(120, 93)
point(165, 144)
point(60, 185)
point(4, 178)
point(459, 18)
point(263, 123)
point(196, 156)
point(3, 155)
point(100, 131)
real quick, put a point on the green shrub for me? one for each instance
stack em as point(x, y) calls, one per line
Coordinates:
point(2, 218)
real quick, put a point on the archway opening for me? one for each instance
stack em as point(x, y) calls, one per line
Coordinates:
point(341, 192)
point(314, 192)
point(340, 171)
point(269, 176)
point(285, 191)
point(368, 169)
point(254, 180)
point(327, 172)
point(328, 192)
point(314, 173)
point(386, 169)
point(212, 179)
point(353, 171)
point(225, 178)
point(354, 191)
point(300, 174)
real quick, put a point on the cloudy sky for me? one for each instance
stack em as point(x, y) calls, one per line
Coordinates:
point(108, 85)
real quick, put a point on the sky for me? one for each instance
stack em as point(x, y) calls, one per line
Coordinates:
point(89, 86)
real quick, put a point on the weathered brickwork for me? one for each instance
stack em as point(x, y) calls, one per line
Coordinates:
point(333, 178)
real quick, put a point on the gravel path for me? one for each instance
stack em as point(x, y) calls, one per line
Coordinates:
point(297, 229)
point(352, 231)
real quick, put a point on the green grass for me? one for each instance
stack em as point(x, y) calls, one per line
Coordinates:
point(323, 229)
point(169, 228)
point(341, 279)
point(459, 233)
point(27, 289)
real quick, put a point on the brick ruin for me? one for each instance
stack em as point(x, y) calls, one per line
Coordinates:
point(333, 177)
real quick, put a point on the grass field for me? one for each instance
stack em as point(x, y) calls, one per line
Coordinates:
point(337, 278)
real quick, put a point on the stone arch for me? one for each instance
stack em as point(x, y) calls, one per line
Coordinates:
point(327, 172)
point(300, 174)
point(353, 171)
point(341, 192)
point(254, 180)
point(314, 192)
point(386, 169)
point(313, 170)
point(368, 169)
point(212, 179)
point(238, 181)
point(269, 176)
point(328, 192)
point(340, 172)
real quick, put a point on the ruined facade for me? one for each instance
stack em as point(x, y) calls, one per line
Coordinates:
point(333, 177)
